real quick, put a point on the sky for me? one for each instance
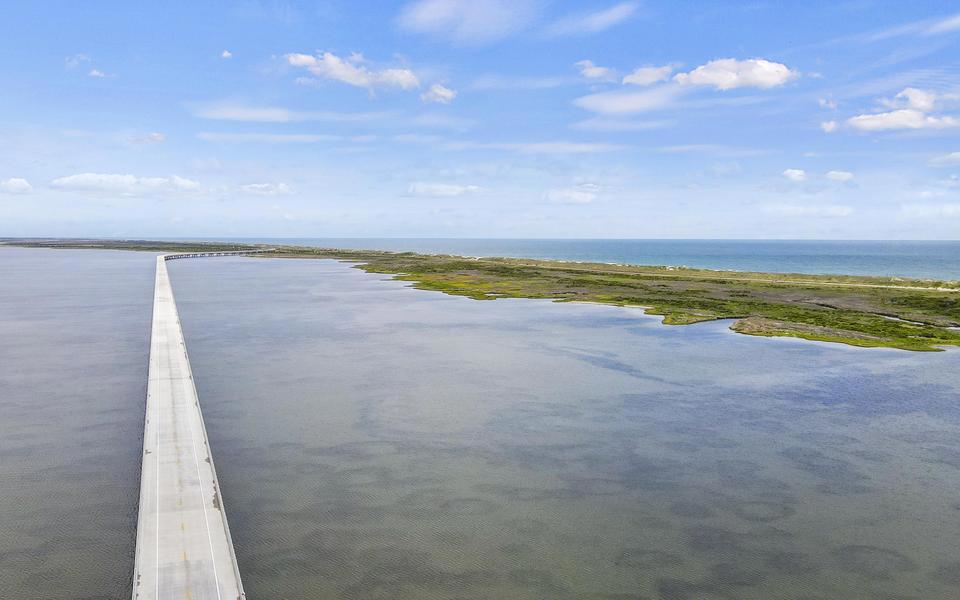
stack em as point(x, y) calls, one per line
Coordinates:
point(492, 118)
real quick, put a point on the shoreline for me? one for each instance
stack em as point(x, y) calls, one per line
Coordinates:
point(865, 311)
point(205, 243)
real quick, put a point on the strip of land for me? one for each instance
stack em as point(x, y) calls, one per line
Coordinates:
point(910, 314)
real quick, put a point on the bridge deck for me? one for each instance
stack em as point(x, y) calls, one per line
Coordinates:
point(184, 550)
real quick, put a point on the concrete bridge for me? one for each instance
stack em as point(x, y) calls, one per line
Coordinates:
point(184, 550)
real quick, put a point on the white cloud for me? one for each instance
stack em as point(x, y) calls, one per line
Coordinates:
point(125, 185)
point(629, 102)
point(795, 174)
point(648, 75)
point(905, 118)
point(226, 54)
point(441, 190)
point(468, 21)
point(15, 185)
point(592, 71)
point(592, 22)
point(97, 73)
point(828, 103)
point(842, 176)
point(922, 100)
point(615, 125)
point(910, 108)
point(266, 189)
point(947, 160)
point(438, 93)
point(352, 71)
point(227, 111)
point(730, 73)
point(583, 193)
point(828, 126)
point(798, 210)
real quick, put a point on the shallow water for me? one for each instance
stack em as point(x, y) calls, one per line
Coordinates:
point(73, 373)
point(375, 441)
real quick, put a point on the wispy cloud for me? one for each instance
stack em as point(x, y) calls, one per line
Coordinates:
point(559, 147)
point(154, 137)
point(586, 23)
point(72, 62)
point(713, 150)
point(925, 27)
point(947, 25)
point(228, 111)
point(124, 185)
point(468, 21)
point(265, 189)
point(618, 125)
point(439, 94)
point(947, 160)
point(583, 193)
point(625, 102)
point(275, 138)
point(841, 176)
point(594, 72)
point(816, 210)
point(441, 190)
point(648, 75)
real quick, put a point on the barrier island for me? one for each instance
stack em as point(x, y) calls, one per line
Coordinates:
point(892, 312)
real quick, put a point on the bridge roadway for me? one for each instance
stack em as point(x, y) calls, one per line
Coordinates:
point(184, 549)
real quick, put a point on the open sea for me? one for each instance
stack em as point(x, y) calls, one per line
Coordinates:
point(922, 259)
point(374, 441)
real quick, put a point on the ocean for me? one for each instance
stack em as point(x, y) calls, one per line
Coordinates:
point(921, 259)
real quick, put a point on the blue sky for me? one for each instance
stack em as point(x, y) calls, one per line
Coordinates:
point(493, 118)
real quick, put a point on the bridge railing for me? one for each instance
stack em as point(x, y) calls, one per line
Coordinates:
point(221, 253)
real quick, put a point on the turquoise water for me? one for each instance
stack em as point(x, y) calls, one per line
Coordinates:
point(934, 260)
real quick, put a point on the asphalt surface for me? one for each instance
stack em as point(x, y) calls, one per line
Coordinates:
point(184, 550)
